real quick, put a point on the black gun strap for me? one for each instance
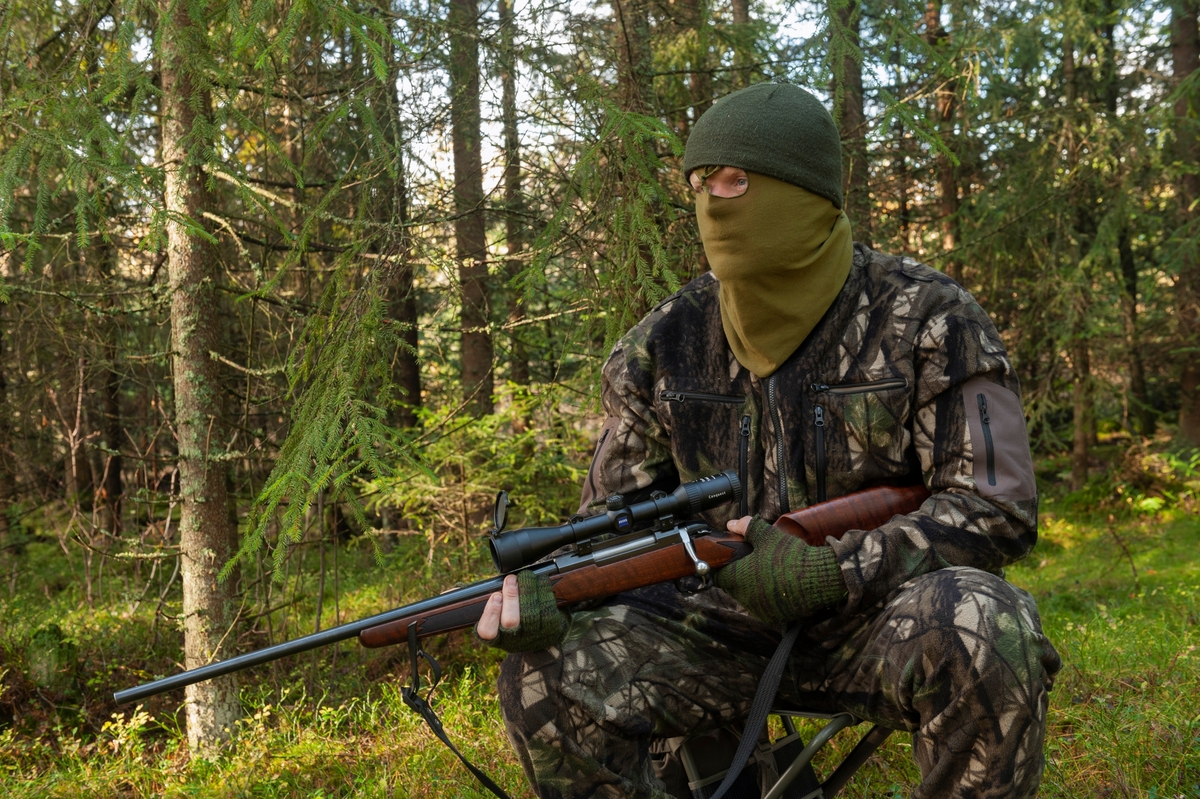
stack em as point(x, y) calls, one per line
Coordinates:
point(764, 698)
point(421, 706)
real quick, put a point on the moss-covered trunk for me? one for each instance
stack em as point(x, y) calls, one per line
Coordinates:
point(206, 536)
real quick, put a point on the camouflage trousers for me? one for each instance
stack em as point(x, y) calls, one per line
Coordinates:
point(956, 657)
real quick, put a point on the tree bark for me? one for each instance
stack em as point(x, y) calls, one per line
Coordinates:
point(8, 477)
point(514, 223)
point(1137, 371)
point(469, 234)
point(1081, 377)
point(1185, 56)
point(740, 11)
point(700, 82)
point(944, 112)
point(206, 537)
point(398, 244)
point(852, 122)
point(110, 487)
point(632, 37)
point(114, 487)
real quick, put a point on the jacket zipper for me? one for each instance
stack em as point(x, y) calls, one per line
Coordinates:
point(987, 439)
point(819, 424)
point(684, 396)
point(743, 465)
point(886, 384)
point(780, 467)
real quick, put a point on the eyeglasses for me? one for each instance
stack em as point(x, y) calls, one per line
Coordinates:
point(720, 181)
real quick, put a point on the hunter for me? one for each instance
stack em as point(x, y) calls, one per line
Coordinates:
point(815, 367)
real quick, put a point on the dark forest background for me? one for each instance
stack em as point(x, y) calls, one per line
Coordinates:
point(281, 279)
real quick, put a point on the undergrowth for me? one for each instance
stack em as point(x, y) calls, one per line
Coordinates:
point(1115, 574)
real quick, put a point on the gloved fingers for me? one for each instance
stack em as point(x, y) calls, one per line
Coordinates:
point(760, 531)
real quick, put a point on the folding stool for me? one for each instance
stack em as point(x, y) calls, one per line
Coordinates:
point(793, 760)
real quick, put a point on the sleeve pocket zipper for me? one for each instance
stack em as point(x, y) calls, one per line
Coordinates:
point(819, 424)
point(987, 439)
point(684, 396)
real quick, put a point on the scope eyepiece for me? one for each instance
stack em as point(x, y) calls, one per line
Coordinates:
point(517, 548)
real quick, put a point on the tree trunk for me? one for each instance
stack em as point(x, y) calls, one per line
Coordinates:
point(514, 224)
point(741, 57)
point(1137, 372)
point(631, 19)
point(113, 485)
point(944, 112)
point(110, 487)
point(1068, 46)
point(1185, 56)
point(469, 235)
point(8, 477)
point(1082, 383)
point(632, 37)
point(700, 79)
point(852, 122)
point(398, 244)
point(206, 540)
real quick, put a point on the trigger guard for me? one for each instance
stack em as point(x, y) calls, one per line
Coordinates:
point(691, 584)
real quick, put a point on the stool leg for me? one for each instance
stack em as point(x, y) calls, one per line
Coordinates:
point(854, 761)
point(835, 725)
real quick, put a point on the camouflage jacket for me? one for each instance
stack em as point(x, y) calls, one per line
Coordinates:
point(904, 375)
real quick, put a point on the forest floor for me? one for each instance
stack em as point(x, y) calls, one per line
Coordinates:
point(1116, 574)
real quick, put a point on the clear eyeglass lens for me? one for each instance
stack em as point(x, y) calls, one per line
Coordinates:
point(719, 183)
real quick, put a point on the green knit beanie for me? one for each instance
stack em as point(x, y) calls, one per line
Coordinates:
point(773, 129)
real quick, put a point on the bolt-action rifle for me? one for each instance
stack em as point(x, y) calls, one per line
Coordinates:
point(625, 547)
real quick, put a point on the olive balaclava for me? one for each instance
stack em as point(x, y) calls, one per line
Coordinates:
point(781, 251)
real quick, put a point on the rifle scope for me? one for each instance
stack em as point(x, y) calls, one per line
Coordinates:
point(518, 548)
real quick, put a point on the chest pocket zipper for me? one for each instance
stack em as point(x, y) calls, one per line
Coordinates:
point(987, 439)
point(699, 396)
point(887, 384)
point(819, 424)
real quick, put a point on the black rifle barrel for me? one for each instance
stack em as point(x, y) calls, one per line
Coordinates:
point(323, 638)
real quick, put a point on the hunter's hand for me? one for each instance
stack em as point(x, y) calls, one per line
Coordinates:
point(541, 625)
point(503, 611)
point(783, 579)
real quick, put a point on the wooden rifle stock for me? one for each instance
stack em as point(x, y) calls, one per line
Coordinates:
point(862, 510)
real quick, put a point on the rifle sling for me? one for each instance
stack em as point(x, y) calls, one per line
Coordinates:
point(764, 698)
point(421, 706)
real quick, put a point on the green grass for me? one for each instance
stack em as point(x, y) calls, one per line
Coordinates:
point(1118, 588)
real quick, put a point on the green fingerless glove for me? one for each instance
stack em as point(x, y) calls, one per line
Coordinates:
point(542, 625)
point(783, 579)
